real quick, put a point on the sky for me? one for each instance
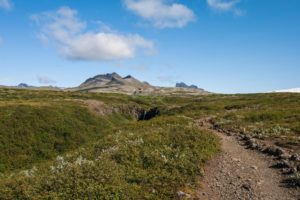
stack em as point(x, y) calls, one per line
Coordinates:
point(226, 46)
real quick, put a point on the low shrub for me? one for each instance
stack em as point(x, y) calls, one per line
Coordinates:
point(130, 164)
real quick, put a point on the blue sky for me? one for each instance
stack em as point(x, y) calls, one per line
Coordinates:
point(228, 46)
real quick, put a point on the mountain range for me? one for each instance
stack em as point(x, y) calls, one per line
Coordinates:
point(114, 83)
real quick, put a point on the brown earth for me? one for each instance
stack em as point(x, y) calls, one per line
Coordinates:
point(239, 173)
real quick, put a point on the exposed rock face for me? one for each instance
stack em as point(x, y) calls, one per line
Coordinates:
point(101, 109)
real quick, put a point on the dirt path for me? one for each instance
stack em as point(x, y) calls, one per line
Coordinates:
point(239, 173)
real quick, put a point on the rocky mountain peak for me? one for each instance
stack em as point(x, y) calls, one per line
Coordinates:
point(113, 79)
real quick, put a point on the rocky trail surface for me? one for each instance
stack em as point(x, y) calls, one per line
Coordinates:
point(240, 173)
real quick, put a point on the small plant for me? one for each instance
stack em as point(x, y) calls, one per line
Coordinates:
point(274, 131)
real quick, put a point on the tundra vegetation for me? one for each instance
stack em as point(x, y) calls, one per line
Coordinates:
point(56, 145)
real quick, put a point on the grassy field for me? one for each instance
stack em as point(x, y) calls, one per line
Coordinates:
point(266, 116)
point(54, 146)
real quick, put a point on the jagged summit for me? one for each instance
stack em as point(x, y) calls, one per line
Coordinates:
point(112, 79)
point(115, 83)
point(101, 80)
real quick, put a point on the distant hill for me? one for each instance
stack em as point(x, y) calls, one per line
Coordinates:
point(30, 87)
point(114, 83)
point(23, 85)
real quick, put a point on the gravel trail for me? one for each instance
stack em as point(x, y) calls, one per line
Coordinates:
point(239, 173)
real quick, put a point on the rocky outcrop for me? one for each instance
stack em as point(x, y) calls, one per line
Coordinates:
point(183, 85)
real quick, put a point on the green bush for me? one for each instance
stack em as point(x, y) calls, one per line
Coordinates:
point(31, 134)
point(261, 117)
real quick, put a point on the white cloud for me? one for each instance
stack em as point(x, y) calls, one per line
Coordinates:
point(5, 4)
point(45, 80)
point(74, 41)
point(225, 6)
point(160, 13)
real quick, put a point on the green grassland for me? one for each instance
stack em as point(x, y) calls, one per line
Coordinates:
point(266, 116)
point(53, 146)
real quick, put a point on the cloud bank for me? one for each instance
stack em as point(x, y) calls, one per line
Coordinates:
point(5, 4)
point(161, 14)
point(75, 41)
point(225, 6)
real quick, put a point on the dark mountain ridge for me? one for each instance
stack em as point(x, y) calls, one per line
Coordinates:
point(183, 85)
